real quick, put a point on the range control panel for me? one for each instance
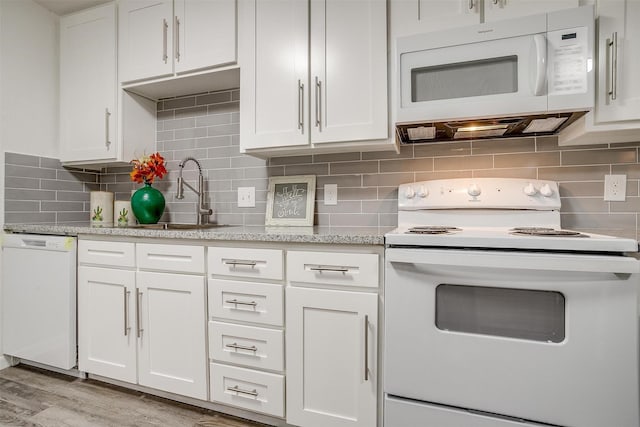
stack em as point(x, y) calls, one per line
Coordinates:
point(479, 193)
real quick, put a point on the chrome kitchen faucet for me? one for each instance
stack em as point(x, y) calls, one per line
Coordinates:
point(202, 213)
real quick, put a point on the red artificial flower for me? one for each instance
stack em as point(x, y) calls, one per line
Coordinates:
point(147, 168)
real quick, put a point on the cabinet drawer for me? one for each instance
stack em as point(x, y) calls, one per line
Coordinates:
point(246, 262)
point(333, 268)
point(178, 258)
point(246, 388)
point(116, 254)
point(250, 302)
point(246, 345)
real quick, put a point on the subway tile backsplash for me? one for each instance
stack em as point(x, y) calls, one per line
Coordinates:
point(206, 126)
point(39, 190)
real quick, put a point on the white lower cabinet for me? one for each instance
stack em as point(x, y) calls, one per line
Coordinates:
point(248, 388)
point(106, 323)
point(331, 357)
point(140, 326)
point(246, 316)
point(171, 329)
point(312, 362)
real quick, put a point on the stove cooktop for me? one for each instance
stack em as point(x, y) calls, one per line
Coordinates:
point(532, 238)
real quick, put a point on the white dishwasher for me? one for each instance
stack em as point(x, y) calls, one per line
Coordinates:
point(39, 299)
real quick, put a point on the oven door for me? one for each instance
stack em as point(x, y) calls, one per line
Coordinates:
point(545, 337)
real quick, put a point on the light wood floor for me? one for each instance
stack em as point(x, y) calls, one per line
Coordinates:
point(33, 397)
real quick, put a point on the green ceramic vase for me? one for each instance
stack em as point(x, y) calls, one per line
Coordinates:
point(147, 204)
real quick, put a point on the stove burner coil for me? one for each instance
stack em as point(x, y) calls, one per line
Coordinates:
point(544, 231)
point(432, 229)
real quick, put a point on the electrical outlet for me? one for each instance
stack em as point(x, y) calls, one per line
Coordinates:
point(246, 197)
point(331, 194)
point(615, 188)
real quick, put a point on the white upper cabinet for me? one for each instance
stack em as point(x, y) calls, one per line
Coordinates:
point(206, 34)
point(496, 10)
point(421, 16)
point(618, 93)
point(161, 38)
point(348, 84)
point(145, 39)
point(274, 76)
point(312, 72)
point(88, 124)
point(616, 117)
point(110, 125)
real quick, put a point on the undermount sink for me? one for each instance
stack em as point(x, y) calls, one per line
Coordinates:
point(176, 226)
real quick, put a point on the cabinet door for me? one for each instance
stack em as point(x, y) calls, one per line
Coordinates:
point(422, 16)
point(145, 47)
point(172, 352)
point(273, 47)
point(496, 10)
point(88, 66)
point(348, 70)
point(106, 323)
point(205, 32)
point(331, 358)
point(618, 91)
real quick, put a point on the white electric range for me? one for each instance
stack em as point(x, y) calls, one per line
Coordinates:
point(496, 316)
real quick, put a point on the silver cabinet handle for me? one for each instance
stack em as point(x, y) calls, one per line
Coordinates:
point(138, 314)
point(236, 302)
point(471, 4)
point(235, 262)
point(495, 1)
point(318, 104)
point(419, 10)
point(177, 36)
point(301, 106)
point(165, 28)
point(237, 389)
point(612, 48)
point(242, 347)
point(366, 347)
point(334, 269)
point(126, 311)
point(107, 116)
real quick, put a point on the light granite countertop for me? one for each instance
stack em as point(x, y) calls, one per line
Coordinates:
point(328, 235)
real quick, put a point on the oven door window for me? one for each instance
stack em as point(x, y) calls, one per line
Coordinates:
point(504, 312)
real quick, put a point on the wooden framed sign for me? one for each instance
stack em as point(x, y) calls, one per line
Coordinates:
point(291, 200)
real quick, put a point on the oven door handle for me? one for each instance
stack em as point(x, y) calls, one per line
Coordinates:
point(515, 260)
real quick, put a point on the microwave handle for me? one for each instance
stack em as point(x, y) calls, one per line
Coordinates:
point(540, 46)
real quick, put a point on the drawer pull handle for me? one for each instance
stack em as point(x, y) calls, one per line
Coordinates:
point(332, 269)
point(237, 389)
point(138, 311)
point(242, 347)
point(127, 328)
point(366, 347)
point(236, 302)
point(236, 262)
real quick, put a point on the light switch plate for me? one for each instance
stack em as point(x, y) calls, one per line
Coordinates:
point(246, 197)
point(331, 194)
point(615, 188)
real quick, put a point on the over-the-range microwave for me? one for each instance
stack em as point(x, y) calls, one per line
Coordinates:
point(532, 75)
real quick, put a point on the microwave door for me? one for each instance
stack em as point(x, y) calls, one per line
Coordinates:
point(484, 79)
